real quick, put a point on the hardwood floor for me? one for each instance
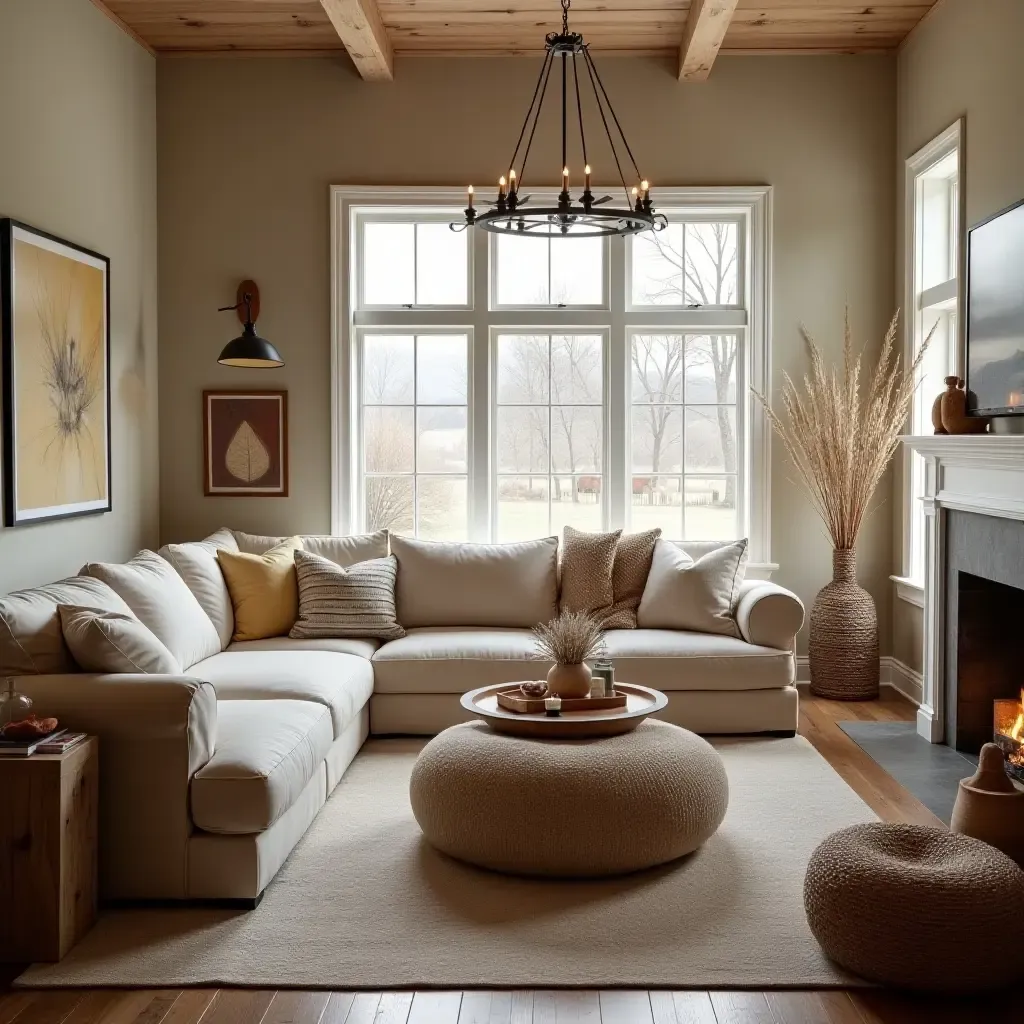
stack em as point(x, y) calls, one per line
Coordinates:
point(818, 722)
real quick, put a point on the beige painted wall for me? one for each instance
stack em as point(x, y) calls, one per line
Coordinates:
point(963, 60)
point(78, 144)
point(249, 148)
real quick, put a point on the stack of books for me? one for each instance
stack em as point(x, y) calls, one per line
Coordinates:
point(56, 742)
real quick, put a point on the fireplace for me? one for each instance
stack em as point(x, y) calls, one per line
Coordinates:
point(1008, 733)
point(985, 653)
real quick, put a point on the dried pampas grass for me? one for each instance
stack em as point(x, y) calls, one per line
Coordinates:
point(570, 639)
point(840, 436)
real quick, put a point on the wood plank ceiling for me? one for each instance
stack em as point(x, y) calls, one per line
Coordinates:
point(373, 30)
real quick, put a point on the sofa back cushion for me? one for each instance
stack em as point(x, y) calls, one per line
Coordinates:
point(159, 597)
point(196, 563)
point(114, 642)
point(343, 551)
point(461, 584)
point(31, 639)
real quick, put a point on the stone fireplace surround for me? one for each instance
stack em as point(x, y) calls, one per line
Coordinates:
point(984, 475)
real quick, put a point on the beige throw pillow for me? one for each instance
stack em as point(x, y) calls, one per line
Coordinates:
point(105, 641)
point(263, 588)
point(160, 599)
point(633, 556)
point(696, 596)
point(587, 560)
point(346, 602)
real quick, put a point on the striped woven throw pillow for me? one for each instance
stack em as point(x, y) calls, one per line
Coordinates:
point(355, 601)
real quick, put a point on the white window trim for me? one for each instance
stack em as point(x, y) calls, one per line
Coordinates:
point(757, 289)
point(909, 588)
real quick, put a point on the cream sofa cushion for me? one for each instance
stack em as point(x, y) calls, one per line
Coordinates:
point(103, 641)
point(159, 597)
point(341, 682)
point(344, 551)
point(693, 595)
point(267, 751)
point(196, 563)
point(675, 660)
point(462, 584)
point(31, 639)
point(451, 660)
point(362, 647)
point(264, 592)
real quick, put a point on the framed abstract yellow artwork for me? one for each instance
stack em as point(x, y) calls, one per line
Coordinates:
point(55, 325)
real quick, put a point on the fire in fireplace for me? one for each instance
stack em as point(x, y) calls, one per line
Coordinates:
point(1008, 733)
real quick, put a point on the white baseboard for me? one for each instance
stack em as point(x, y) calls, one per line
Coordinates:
point(891, 672)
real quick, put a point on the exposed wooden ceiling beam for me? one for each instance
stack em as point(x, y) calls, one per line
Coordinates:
point(359, 27)
point(706, 25)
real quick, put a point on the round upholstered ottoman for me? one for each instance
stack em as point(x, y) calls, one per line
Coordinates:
point(916, 907)
point(570, 808)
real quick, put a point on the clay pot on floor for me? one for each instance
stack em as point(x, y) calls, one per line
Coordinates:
point(989, 806)
point(569, 681)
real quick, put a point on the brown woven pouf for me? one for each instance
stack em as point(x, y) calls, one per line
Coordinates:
point(569, 808)
point(917, 907)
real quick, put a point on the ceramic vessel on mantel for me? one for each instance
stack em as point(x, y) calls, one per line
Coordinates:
point(569, 680)
point(843, 647)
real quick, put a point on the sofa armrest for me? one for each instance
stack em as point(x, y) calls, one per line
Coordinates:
point(155, 733)
point(769, 615)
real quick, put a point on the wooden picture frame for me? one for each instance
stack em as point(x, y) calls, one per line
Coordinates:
point(245, 444)
point(55, 339)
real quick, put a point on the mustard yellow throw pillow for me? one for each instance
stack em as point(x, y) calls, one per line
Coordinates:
point(264, 590)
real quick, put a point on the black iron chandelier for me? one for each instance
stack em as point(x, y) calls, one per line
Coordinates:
point(581, 215)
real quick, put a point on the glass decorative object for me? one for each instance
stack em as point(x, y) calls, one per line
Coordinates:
point(14, 706)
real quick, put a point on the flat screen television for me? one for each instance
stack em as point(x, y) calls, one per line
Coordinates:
point(995, 314)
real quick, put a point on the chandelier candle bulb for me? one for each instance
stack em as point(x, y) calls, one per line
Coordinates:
point(469, 197)
point(512, 182)
point(586, 178)
point(501, 187)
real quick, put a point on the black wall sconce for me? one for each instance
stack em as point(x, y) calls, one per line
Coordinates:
point(248, 349)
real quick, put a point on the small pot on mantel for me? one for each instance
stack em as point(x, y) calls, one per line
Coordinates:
point(568, 681)
point(953, 410)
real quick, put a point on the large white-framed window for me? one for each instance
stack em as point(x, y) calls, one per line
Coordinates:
point(933, 257)
point(485, 391)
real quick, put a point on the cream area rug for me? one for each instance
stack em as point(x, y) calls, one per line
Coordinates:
point(364, 902)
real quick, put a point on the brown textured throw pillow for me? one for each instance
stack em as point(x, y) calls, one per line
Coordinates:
point(587, 560)
point(633, 556)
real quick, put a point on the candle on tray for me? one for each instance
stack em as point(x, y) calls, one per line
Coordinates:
point(552, 706)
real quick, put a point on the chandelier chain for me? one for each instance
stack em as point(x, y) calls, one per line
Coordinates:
point(565, 17)
point(604, 121)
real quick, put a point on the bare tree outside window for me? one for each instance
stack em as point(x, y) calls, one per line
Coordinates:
point(690, 265)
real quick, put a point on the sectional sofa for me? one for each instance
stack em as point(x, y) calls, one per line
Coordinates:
point(210, 778)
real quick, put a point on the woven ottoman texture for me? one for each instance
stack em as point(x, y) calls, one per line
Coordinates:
point(916, 907)
point(568, 808)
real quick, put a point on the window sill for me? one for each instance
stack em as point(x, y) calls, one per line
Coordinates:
point(909, 590)
point(761, 570)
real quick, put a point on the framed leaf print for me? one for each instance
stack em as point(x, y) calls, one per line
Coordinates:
point(245, 441)
point(55, 329)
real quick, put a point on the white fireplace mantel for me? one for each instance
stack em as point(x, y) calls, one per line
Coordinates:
point(981, 473)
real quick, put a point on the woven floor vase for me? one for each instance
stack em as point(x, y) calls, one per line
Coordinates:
point(843, 649)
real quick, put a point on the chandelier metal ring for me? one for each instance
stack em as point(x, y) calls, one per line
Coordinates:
point(582, 215)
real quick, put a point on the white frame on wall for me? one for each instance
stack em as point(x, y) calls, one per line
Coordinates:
point(752, 206)
point(910, 581)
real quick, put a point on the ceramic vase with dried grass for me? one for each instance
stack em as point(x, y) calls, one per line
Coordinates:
point(569, 641)
point(841, 437)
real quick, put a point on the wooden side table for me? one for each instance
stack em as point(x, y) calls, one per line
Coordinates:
point(48, 840)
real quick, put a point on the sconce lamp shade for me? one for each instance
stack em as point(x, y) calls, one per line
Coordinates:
point(250, 350)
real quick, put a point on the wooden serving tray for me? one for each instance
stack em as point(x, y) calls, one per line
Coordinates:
point(513, 699)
